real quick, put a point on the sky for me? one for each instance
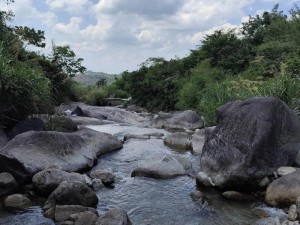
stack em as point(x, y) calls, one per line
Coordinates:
point(117, 35)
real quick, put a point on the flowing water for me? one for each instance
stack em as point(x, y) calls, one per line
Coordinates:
point(146, 200)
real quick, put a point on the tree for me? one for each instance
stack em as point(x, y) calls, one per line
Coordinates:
point(101, 82)
point(31, 36)
point(65, 58)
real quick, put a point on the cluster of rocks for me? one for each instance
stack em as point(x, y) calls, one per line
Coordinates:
point(48, 151)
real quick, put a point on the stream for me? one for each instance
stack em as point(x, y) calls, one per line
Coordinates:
point(151, 201)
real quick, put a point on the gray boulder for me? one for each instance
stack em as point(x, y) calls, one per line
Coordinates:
point(179, 139)
point(252, 139)
point(32, 152)
point(160, 167)
point(105, 176)
point(72, 193)
point(114, 217)
point(235, 195)
point(48, 180)
point(86, 218)
point(62, 213)
point(3, 139)
point(8, 184)
point(105, 113)
point(17, 202)
point(100, 142)
point(285, 190)
point(77, 111)
point(285, 170)
point(31, 124)
point(178, 120)
point(84, 121)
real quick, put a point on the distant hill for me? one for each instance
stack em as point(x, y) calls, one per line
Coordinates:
point(90, 77)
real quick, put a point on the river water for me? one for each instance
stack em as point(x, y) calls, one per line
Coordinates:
point(151, 201)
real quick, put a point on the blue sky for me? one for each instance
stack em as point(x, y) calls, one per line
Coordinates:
point(117, 35)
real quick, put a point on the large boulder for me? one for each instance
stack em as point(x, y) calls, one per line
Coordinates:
point(106, 177)
point(181, 120)
point(17, 202)
point(32, 152)
point(114, 217)
point(105, 113)
point(8, 184)
point(179, 139)
point(31, 124)
point(100, 142)
point(159, 166)
point(3, 139)
point(72, 193)
point(252, 139)
point(285, 190)
point(64, 212)
point(48, 180)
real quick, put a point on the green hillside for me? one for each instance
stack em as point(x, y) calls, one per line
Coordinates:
point(91, 78)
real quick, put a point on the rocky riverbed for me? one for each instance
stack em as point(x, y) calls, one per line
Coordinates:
point(123, 167)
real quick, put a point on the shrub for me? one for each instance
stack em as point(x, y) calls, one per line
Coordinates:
point(96, 96)
point(23, 90)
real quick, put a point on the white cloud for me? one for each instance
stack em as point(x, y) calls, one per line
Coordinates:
point(115, 35)
point(72, 6)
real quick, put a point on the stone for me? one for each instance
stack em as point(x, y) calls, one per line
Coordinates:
point(298, 206)
point(235, 195)
point(8, 184)
point(64, 212)
point(264, 212)
point(32, 152)
point(72, 193)
point(268, 221)
point(292, 215)
point(264, 182)
point(114, 217)
point(252, 139)
point(77, 111)
point(48, 180)
point(3, 138)
point(285, 170)
point(133, 108)
point(203, 179)
point(31, 124)
point(100, 142)
point(160, 167)
point(17, 202)
point(86, 218)
point(84, 121)
point(284, 191)
point(179, 139)
point(136, 136)
point(197, 196)
point(105, 176)
point(97, 184)
point(106, 113)
point(180, 120)
point(198, 140)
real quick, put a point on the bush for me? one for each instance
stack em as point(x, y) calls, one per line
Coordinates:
point(96, 96)
point(23, 90)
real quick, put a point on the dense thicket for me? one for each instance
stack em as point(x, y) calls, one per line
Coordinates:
point(31, 82)
point(260, 59)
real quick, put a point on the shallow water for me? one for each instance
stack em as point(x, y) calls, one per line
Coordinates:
point(158, 201)
point(146, 200)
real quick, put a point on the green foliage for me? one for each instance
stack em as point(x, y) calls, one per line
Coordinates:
point(65, 58)
point(96, 96)
point(23, 90)
point(31, 36)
